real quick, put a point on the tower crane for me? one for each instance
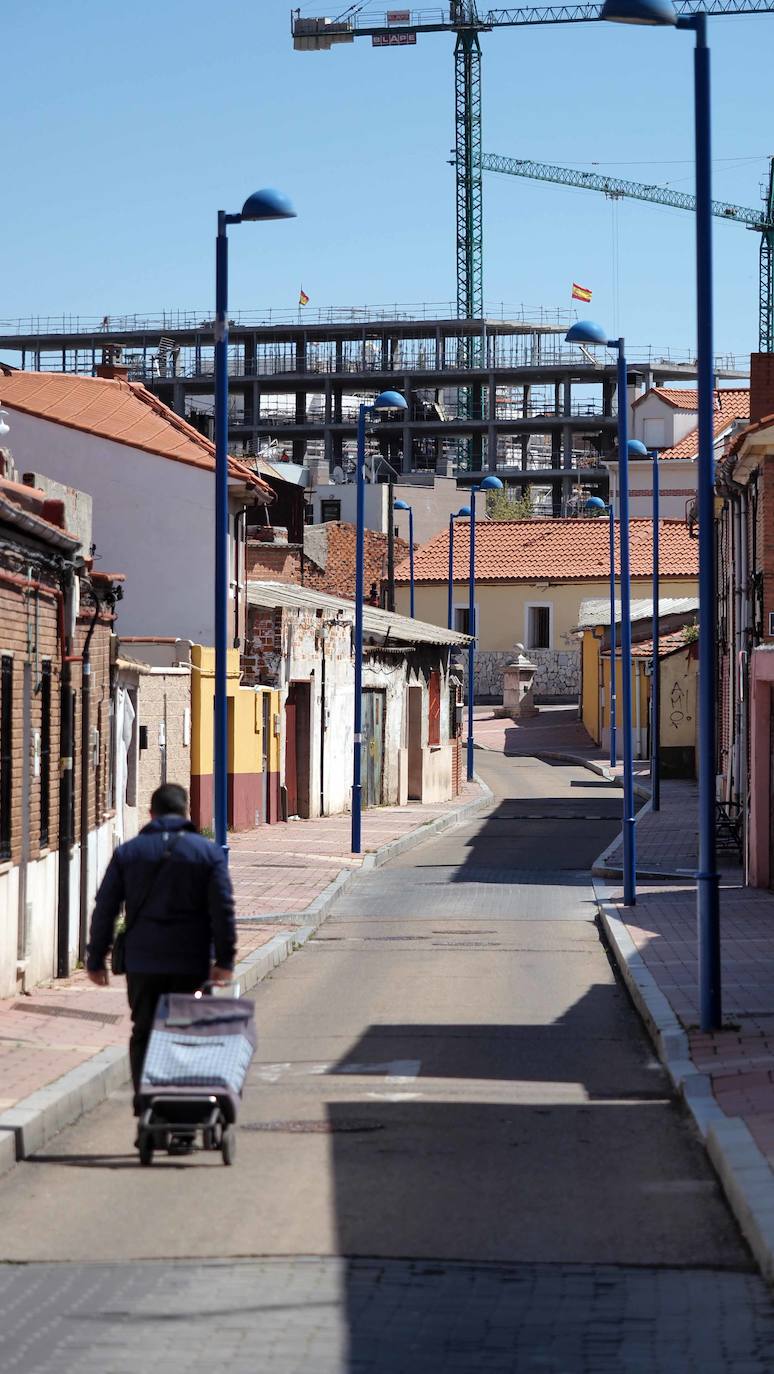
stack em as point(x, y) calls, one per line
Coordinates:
point(615, 189)
point(401, 27)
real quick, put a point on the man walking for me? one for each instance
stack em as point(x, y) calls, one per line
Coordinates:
point(179, 901)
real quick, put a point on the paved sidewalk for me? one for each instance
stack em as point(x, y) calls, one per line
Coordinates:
point(738, 1061)
point(278, 871)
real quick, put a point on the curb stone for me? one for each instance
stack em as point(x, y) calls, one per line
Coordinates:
point(743, 1171)
point(36, 1119)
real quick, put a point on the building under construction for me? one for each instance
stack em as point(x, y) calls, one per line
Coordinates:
point(503, 393)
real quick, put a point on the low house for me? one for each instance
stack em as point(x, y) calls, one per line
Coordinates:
point(531, 579)
point(151, 477)
point(324, 559)
point(678, 679)
point(300, 642)
point(667, 419)
point(56, 828)
point(151, 724)
point(745, 626)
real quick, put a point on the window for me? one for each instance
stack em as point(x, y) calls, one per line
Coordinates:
point(330, 510)
point(538, 627)
point(6, 756)
point(434, 709)
point(654, 434)
point(45, 752)
point(462, 619)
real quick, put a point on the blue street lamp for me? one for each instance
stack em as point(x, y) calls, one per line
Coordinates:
point(596, 503)
point(707, 879)
point(464, 511)
point(490, 483)
point(386, 400)
point(655, 672)
point(260, 205)
point(587, 332)
point(403, 505)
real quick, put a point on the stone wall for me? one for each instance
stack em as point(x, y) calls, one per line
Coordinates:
point(557, 676)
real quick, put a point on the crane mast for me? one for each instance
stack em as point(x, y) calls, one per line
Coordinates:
point(401, 27)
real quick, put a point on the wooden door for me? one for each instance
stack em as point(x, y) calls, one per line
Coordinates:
point(372, 747)
point(291, 776)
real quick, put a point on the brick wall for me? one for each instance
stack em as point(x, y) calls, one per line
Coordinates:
point(338, 576)
point(761, 386)
point(260, 661)
point(273, 562)
point(29, 633)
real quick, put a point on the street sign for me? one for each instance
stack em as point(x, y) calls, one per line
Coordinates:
point(398, 16)
point(400, 38)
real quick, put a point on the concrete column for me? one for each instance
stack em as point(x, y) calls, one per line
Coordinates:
point(408, 450)
point(491, 448)
point(327, 436)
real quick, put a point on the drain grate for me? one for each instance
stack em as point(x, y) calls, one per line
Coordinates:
point(345, 1126)
point(43, 1009)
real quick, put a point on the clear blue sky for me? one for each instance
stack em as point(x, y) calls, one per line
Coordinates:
point(126, 128)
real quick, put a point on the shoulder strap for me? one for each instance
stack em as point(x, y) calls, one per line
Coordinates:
point(151, 883)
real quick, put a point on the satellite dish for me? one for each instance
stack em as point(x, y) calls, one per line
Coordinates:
point(338, 475)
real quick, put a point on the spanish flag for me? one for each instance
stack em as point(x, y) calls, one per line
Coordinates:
point(303, 299)
point(580, 293)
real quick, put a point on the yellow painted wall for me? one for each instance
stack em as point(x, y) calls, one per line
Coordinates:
point(245, 710)
point(595, 701)
point(679, 682)
point(501, 606)
point(590, 659)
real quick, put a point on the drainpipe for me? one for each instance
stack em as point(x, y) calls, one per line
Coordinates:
point(85, 781)
point(66, 732)
point(738, 642)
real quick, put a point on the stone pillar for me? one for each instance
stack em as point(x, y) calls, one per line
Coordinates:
point(518, 680)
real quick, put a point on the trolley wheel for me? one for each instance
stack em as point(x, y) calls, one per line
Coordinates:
point(146, 1148)
point(228, 1145)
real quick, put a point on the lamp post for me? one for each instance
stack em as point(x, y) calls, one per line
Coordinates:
point(587, 332)
point(596, 503)
point(464, 511)
point(386, 400)
point(261, 205)
point(655, 672)
point(403, 505)
point(490, 483)
point(707, 879)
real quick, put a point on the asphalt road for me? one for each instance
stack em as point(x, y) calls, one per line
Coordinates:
point(456, 1152)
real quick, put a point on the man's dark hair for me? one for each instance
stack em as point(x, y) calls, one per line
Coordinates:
point(169, 800)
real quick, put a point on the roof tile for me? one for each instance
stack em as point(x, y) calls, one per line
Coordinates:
point(124, 412)
point(566, 550)
point(730, 405)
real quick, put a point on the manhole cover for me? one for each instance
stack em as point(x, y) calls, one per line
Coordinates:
point(347, 1125)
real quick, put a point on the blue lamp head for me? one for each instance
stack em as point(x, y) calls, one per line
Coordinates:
point(586, 332)
point(401, 505)
point(639, 11)
point(390, 400)
point(636, 449)
point(463, 511)
point(490, 483)
point(268, 204)
point(595, 505)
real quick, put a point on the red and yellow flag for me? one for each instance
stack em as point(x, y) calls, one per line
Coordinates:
point(580, 293)
point(303, 299)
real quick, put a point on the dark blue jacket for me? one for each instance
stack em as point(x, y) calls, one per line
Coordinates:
point(189, 909)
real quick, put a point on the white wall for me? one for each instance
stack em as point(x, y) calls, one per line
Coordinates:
point(677, 423)
point(153, 521)
point(42, 899)
point(677, 485)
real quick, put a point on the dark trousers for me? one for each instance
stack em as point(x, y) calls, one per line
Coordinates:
point(144, 991)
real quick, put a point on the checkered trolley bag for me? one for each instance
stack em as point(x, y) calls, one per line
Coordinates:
point(195, 1066)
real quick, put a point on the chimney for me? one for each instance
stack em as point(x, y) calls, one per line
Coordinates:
point(112, 372)
point(761, 386)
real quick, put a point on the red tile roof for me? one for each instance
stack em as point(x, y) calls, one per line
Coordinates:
point(667, 644)
point(124, 412)
point(730, 405)
point(682, 398)
point(567, 550)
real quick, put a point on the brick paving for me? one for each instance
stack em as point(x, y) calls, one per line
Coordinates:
point(307, 1315)
point(277, 870)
